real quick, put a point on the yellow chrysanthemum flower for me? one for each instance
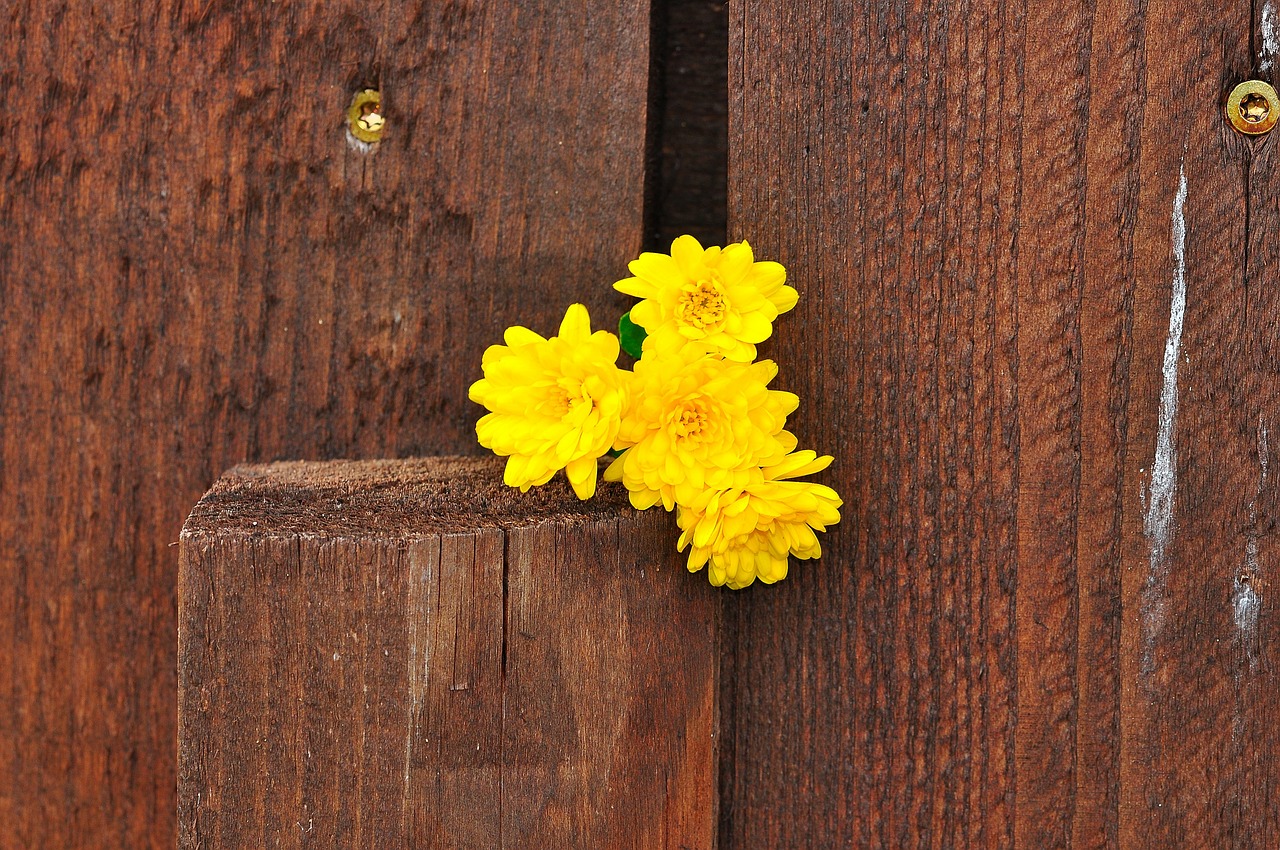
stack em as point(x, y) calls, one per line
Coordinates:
point(748, 533)
point(698, 422)
point(556, 403)
point(720, 298)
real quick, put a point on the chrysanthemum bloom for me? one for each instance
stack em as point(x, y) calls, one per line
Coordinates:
point(698, 422)
point(748, 533)
point(556, 403)
point(720, 298)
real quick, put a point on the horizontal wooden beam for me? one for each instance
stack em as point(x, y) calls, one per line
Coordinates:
point(408, 653)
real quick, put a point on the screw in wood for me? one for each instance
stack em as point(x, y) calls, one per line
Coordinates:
point(1253, 107)
point(365, 120)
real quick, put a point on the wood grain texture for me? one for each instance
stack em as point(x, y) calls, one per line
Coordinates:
point(1029, 630)
point(196, 270)
point(401, 654)
point(1203, 765)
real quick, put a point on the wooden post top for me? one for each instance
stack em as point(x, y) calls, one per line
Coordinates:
point(389, 498)
point(409, 653)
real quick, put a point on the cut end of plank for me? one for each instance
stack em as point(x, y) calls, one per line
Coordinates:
point(390, 498)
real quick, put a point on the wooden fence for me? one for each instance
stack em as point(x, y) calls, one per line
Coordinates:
point(1038, 329)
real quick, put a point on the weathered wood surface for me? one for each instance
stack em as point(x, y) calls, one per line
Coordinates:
point(196, 270)
point(410, 654)
point(1049, 377)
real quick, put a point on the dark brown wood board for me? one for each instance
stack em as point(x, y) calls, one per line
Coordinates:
point(410, 654)
point(197, 270)
point(1046, 618)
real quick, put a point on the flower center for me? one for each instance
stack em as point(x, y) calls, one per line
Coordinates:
point(561, 398)
point(702, 303)
point(555, 404)
point(692, 423)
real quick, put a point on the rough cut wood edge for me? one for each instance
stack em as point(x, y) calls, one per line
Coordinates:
point(358, 665)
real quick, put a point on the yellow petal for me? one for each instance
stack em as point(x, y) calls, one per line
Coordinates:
point(517, 335)
point(647, 315)
point(515, 474)
point(582, 476)
point(636, 287)
point(576, 324)
point(767, 276)
point(785, 298)
point(614, 470)
point(643, 499)
point(736, 261)
point(755, 328)
point(799, 464)
point(688, 253)
point(656, 268)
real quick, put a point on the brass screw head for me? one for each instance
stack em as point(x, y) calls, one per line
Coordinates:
point(364, 116)
point(1253, 107)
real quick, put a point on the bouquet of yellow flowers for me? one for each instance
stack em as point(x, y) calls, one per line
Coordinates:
point(694, 426)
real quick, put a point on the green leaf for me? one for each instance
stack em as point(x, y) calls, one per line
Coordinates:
point(631, 336)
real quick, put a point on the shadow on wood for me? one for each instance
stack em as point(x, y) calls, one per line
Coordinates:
point(409, 653)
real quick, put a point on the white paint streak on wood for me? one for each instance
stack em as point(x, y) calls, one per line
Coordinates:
point(1270, 36)
point(1246, 602)
point(1159, 520)
point(1262, 449)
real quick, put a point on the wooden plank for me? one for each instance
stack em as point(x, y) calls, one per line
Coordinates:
point(197, 270)
point(1205, 687)
point(875, 689)
point(570, 757)
point(1107, 286)
point(411, 654)
point(977, 206)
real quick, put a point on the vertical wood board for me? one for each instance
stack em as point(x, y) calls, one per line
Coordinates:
point(197, 269)
point(1034, 332)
